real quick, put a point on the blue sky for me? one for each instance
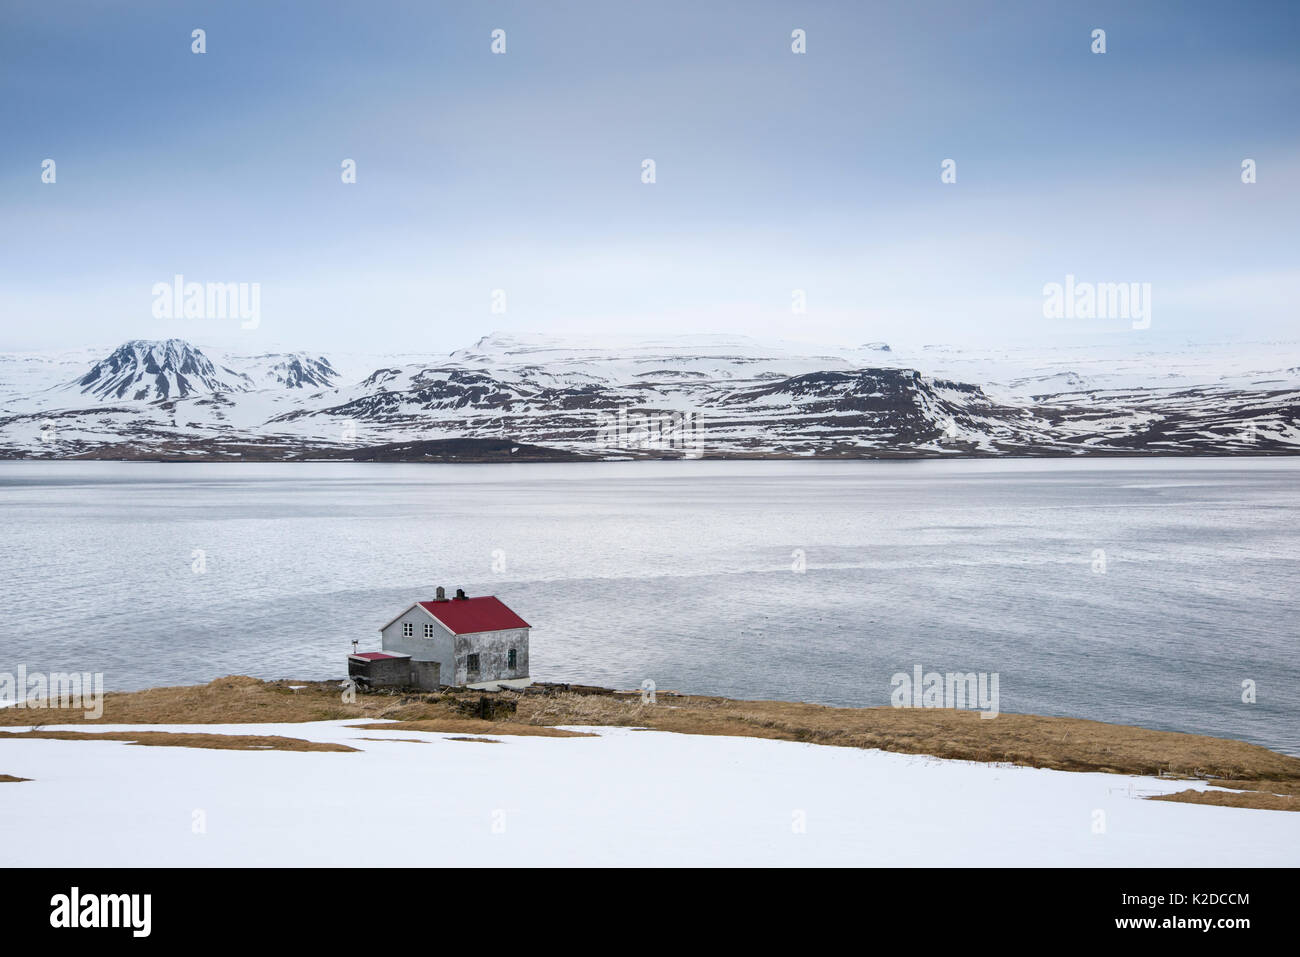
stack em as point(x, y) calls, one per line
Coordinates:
point(521, 171)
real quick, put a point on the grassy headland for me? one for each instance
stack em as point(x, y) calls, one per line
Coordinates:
point(1260, 777)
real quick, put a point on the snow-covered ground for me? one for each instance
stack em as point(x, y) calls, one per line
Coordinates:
point(626, 797)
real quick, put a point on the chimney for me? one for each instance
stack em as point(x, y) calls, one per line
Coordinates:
point(460, 594)
point(354, 645)
point(440, 594)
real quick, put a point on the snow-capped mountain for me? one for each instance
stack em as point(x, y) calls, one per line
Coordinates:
point(290, 370)
point(144, 371)
point(731, 396)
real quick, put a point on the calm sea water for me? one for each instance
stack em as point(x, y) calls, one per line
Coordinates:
point(684, 573)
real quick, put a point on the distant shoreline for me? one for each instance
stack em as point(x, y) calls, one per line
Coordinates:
point(548, 456)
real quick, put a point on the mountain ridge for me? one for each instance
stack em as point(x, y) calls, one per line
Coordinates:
point(738, 396)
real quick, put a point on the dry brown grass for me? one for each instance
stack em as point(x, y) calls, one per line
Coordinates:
point(480, 740)
point(470, 726)
point(10, 779)
point(1258, 800)
point(233, 700)
point(168, 739)
point(1066, 744)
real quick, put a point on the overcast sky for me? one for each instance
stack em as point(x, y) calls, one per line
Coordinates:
point(522, 171)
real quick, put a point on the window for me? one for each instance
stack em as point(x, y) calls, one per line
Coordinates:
point(408, 629)
point(512, 660)
point(428, 631)
point(471, 664)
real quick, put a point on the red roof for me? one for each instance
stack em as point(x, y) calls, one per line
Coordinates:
point(464, 616)
point(376, 655)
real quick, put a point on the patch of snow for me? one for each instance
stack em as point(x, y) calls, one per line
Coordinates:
point(625, 797)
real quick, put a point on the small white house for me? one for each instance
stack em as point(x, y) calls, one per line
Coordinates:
point(477, 642)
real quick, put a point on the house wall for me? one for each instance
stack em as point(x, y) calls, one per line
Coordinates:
point(451, 651)
point(492, 648)
point(426, 675)
point(439, 648)
point(382, 673)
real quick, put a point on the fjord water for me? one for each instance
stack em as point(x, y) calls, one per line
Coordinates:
point(684, 573)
